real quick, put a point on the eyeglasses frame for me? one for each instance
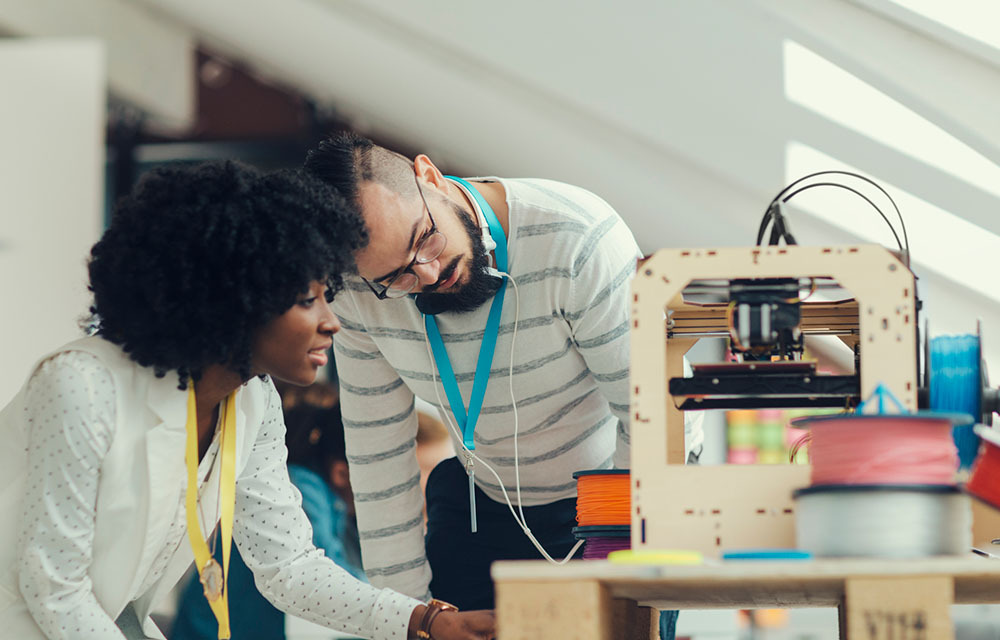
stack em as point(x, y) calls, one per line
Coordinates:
point(382, 293)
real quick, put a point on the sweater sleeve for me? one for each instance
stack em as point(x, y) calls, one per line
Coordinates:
point(380, 427)
point(275, 539)
point(71, 411)
point(598, 312)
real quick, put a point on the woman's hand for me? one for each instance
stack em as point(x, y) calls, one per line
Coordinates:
point(456, 625)
point(464, 625)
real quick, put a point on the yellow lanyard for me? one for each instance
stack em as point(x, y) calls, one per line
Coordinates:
point(213, 577)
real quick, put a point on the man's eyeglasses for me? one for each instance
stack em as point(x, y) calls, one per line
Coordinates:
point(429, 247)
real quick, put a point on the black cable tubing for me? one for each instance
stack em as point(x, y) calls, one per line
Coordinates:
point(768, 212)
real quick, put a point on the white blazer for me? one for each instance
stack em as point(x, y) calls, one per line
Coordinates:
point(137, 494)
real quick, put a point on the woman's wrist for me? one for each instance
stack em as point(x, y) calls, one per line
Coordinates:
point(415, 617)
point(438, 622)
point(427, 616)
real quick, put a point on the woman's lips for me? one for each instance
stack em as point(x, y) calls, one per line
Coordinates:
point(318, 357)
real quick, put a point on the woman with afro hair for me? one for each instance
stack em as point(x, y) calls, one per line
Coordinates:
point(133, 451)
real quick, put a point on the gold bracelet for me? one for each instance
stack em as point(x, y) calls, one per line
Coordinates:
point(434, 607)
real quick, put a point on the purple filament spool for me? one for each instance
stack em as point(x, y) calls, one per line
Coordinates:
point(598, 547)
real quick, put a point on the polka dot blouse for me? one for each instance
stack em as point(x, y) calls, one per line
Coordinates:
point(72, 423)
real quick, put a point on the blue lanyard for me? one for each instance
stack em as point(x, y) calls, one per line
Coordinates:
point(468, 422)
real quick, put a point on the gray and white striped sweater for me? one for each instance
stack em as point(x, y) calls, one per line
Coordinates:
point(572, 257)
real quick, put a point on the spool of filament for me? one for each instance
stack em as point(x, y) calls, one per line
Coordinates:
point(602, 540)
point(771, 430)
point(984, 481)
point(603, 497)
point(883, 521)
point(882, 449)
point(956, 385)
point(741, 429)
point(742, 456)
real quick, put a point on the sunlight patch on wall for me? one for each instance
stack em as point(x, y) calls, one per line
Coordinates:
point(939, 240)
point(815, 83)
point(977, 19)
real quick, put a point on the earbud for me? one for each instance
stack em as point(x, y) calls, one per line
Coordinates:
point(488, 242)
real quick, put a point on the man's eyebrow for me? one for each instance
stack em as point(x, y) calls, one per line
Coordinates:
point(413, 237)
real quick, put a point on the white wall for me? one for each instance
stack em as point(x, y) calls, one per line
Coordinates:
point(149, 60)
point(52, 119)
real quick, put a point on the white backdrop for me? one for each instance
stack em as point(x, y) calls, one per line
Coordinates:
point(52, 118)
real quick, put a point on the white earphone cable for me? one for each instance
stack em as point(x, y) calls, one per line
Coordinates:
point(521, 521)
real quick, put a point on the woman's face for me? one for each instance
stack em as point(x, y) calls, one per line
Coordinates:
point(293, 346)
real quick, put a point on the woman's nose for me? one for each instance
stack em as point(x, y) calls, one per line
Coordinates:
point(329, 323)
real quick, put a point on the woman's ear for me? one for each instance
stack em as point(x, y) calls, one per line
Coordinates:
point(428, 172)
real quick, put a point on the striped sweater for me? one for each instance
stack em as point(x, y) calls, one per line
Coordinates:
point(571, 257)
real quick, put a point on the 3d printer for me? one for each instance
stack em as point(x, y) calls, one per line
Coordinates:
point(764, 300)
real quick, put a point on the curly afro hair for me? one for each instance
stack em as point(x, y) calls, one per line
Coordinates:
point(198, 258)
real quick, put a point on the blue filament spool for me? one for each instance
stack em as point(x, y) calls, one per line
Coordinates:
point(956, 386)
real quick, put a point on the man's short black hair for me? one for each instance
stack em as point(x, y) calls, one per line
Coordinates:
point(346, 160)
point(198, 258)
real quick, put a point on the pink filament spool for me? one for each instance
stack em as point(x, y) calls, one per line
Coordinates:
point(881, 449)
point(742, 456)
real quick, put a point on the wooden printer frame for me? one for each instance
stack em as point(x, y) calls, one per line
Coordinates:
point(712, 508)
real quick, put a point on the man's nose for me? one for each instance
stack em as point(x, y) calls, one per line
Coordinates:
point(427, 273)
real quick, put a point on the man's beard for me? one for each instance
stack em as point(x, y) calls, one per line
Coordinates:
point(481, 285)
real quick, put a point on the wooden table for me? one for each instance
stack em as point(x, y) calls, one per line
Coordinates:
point(878, 599)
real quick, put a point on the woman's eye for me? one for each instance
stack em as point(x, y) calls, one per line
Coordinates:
point(307, 302)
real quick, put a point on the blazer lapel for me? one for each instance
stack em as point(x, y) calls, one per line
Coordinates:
point(165, 463)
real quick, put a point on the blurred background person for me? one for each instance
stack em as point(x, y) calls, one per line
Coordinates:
point(433, 443)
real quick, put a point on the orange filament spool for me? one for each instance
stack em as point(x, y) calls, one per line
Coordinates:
point(603, 497)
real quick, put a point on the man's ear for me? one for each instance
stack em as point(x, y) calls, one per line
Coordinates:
point(428, 172)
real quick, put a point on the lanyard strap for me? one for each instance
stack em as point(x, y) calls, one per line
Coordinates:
point(219, 602)
point(468, 422)
point(496, 229)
